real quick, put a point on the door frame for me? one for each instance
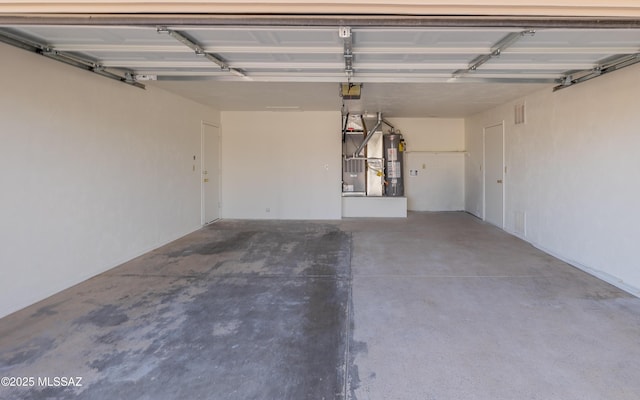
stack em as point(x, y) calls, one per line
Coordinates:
point(484, 171)
point(202, 168)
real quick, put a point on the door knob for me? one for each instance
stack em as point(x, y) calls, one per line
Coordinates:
point(499, 180)
point(206, 180)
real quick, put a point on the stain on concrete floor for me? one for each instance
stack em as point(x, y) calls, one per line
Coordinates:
point(239, 310)
point(435, 306)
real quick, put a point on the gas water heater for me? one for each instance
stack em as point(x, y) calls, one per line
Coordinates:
point(393, 146)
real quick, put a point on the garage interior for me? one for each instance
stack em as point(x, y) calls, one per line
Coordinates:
point(178, 220)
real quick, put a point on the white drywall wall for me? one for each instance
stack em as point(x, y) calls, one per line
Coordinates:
point(93, 172)
point(285, 162)
point(431, 134)
point(571, 186)
point(435, 155)
point(434, 181)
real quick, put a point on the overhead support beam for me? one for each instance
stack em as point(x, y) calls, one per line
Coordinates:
point(607, 67)
point(177, 48)
point(67, 58)
point(197, 64)
point(496, 50)
point(338, 77)
point(246, 19)
point(199, 51)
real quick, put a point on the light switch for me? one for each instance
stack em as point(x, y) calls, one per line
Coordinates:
point(424, 166)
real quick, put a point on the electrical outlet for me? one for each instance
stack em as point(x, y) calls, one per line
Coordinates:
point(268, 209)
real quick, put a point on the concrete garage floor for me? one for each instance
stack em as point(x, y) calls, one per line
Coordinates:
point(435, 306)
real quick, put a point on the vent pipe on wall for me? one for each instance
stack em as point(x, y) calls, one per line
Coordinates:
point(369, 136)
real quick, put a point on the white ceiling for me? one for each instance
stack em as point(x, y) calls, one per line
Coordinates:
point(406, 72)
point(394, 99)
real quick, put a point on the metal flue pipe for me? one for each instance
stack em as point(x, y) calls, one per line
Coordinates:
point(369, 136)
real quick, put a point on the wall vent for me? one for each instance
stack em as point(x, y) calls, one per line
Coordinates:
point(519, 114)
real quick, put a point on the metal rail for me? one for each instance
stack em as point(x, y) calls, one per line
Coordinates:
point(403, 21)
point(67, 58)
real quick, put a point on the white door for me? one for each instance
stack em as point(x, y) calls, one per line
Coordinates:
point(494, 175)
point(210, 173)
